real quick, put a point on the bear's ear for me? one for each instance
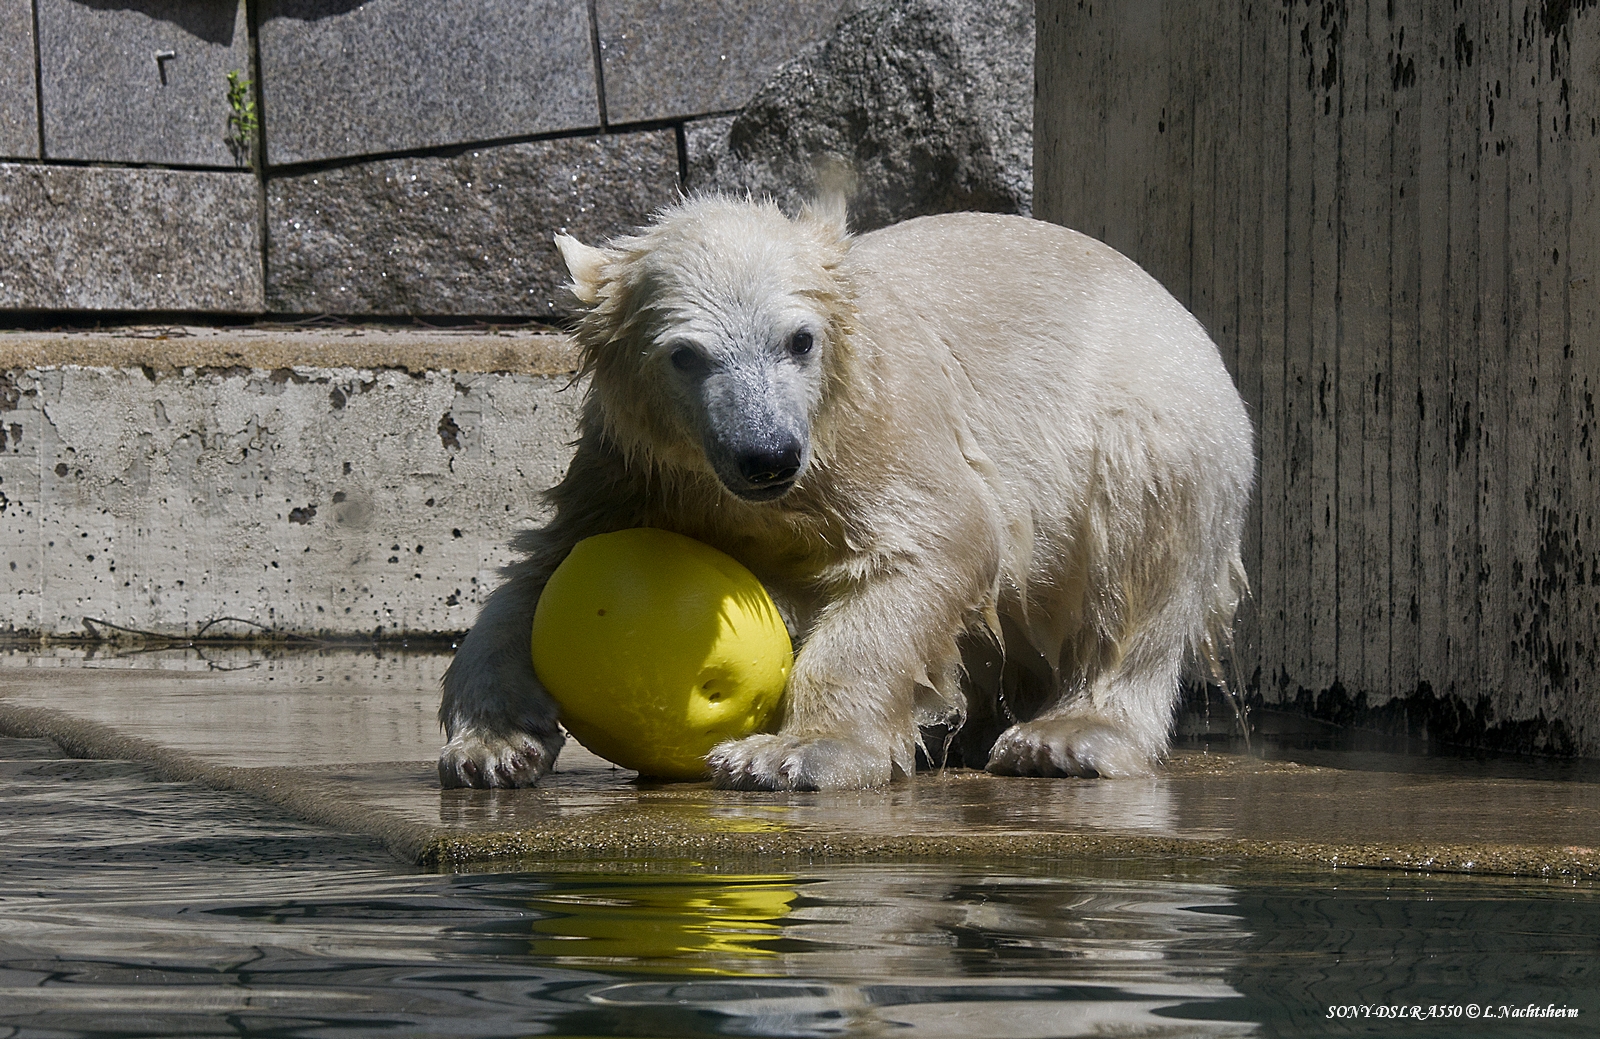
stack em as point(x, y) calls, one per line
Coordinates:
point(829, 208)
point(828, 213)
point(586, 264)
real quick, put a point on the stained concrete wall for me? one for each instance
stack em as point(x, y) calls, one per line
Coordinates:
point(314, 483)
point(1387, 215)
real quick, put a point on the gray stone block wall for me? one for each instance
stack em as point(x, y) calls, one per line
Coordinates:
point(668, 59)
point(140, 81)
point(924, 106)
point(343, 79)
point(407, 157)
point(19, 102)
point(465, 234)
point(95, 238)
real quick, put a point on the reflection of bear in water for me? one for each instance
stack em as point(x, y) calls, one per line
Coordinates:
point(965, 427)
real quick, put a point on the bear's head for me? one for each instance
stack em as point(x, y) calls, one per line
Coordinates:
point(718, 339)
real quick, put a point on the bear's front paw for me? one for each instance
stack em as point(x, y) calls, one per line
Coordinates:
point(1068, 746)
point(485, 758)
point(799, 763)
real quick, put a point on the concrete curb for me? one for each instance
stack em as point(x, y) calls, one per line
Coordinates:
point(456, 851)
point(172, 348)
point(654, 829)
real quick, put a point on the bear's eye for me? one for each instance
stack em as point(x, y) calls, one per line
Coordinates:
point(685, 359)
point(801, 343)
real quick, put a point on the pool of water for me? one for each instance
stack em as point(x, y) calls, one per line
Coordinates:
point(130, 906)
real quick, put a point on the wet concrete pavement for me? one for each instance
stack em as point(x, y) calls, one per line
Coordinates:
point(347, 740)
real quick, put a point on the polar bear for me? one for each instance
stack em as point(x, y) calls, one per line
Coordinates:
point(960, 427)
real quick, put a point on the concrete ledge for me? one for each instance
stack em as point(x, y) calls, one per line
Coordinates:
point(172, 348)
point(348, 741)
point(334, 483)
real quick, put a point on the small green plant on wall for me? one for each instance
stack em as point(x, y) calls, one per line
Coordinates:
point(242, 121)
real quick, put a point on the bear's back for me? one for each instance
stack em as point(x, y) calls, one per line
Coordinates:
point(1041, 317)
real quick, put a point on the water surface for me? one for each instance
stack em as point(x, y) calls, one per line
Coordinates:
point(130, 906)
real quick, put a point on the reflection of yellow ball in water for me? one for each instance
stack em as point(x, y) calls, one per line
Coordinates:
point(658, 648)
point(678, 923)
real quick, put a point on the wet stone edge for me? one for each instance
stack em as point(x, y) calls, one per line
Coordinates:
point(447, 851)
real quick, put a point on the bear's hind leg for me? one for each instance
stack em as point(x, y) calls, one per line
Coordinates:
point(1117, 725)
point(1073, 743)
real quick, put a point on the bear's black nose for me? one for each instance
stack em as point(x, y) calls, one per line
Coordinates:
point(764, 467)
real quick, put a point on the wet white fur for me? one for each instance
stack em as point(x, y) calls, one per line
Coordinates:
point(1007, 419)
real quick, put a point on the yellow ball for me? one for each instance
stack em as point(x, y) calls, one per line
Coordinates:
point(657, 648)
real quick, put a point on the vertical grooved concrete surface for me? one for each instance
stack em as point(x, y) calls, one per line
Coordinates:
point(1388, 216)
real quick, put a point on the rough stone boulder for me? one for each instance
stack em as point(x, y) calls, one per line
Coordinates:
point(925, 105)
